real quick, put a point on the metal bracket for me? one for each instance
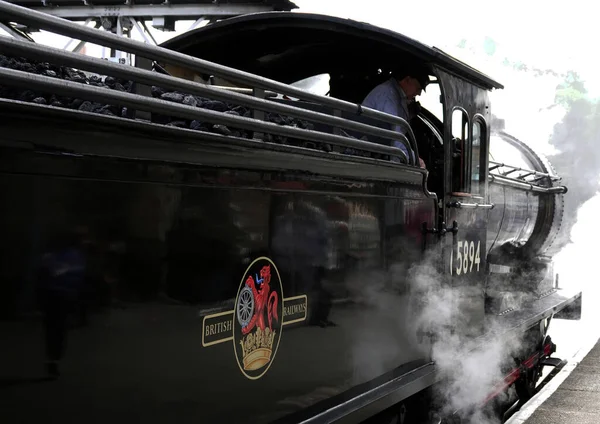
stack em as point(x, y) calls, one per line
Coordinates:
point(463, 205)
point(14, 32)
point(442, 231)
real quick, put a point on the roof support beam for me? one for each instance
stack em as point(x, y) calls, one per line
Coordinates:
point(148, 38)
point(149, 11)
point(82, 43)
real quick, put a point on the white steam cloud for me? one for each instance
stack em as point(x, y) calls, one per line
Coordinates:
point(470, 367)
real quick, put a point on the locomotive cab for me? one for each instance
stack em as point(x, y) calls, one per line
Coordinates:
point(487, 211)
point(337, 60)
point(326, 58)
point(451, 129)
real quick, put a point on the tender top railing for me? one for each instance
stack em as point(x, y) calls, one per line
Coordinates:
point(11, 12)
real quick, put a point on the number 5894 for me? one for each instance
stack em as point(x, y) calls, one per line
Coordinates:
point(467, 257)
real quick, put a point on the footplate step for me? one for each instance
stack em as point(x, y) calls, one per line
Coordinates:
point(553, 362)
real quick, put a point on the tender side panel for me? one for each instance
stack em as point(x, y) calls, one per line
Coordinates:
point(151, 329)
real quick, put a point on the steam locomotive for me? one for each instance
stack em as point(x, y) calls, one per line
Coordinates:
point(196, 238)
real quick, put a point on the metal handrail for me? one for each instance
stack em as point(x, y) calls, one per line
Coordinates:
point(239, 89)
point(70, 88)
point(528, 172)
point(526, 185)
point(61, 26)
point(469, 205)
point(44, 53)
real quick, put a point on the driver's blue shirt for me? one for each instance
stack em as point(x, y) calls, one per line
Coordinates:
point(388, 97)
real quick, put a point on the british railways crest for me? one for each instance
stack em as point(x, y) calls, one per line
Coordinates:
point(257, 321)
point(258, 318)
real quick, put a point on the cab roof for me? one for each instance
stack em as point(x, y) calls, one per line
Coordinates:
point(290, 46)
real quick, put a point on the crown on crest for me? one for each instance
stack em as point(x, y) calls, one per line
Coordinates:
point(257, 348)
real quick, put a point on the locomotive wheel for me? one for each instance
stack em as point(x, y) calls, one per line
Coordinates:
point(525, 386)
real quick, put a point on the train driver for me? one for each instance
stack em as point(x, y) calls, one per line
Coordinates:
point(394, 95)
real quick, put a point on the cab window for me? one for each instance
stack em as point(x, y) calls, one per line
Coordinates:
point(460, 151)
point(467, 152)
point(476, 149)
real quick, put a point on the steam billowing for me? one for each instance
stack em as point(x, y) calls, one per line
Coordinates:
point(574, 138)
point(473, 369)
point(470, 368)
point(577, 138)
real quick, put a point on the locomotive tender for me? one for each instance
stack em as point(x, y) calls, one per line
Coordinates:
point(251, 253)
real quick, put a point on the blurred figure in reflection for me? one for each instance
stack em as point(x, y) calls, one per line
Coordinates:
point(112, 274)
point(61, 285)
point(86, 245)
point(300, 242)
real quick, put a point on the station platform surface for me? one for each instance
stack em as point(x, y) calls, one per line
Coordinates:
point(572, 397)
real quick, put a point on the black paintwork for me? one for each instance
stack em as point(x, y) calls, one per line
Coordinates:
point(166, 245)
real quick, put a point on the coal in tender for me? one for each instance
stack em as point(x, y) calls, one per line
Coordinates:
point(75, 103)
point(200, 126)
point(173, 97)
point(96, 80)
point(110, 82)
point(158, 118)
point(26, 96)
point(215, 105)
point(75, 76)
point(157, 91)
point(110, 110)
point(190, 101)
point(178, 124)
point(79, 79)
point(242, 111)
point(122, 85)
point(222, 129)
point(86, 106)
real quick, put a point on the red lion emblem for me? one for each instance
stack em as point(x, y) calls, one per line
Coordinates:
point(262, 299)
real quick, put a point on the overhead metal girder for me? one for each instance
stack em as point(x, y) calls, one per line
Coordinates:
point(146, 36)
point(81, 44)
point(149, 11)
point(198, 22)
point(148, 31)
